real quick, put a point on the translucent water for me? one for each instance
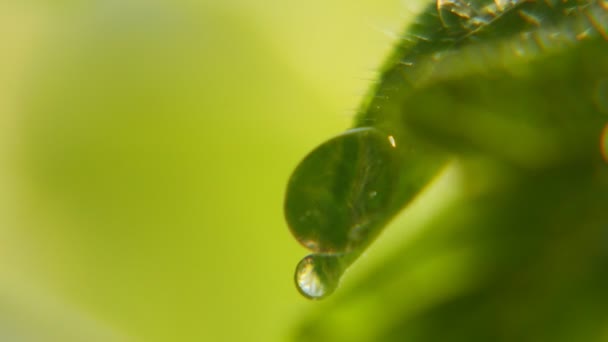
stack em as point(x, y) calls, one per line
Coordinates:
point(318, 275)
point(338, 194)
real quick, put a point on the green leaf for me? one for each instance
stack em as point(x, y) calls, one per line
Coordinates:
point(512, 95)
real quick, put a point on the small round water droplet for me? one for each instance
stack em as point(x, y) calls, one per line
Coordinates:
point(318, 275)
point(328, 195)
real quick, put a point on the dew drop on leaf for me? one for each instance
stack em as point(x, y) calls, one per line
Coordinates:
point(318, 275)
point(328, 205)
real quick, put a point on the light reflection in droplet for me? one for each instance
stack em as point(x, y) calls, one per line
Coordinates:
point(308, 280)
point(318, 274)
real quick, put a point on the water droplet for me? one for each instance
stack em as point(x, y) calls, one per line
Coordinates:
point(318, 275)
point(328, 193)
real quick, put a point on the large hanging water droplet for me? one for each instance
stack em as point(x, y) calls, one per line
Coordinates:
point(318, 275)
point(341, 192)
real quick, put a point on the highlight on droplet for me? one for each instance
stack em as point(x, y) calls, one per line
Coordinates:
point(318, 275)
point(308, 280)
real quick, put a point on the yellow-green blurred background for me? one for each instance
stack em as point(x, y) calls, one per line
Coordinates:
point(144, 150)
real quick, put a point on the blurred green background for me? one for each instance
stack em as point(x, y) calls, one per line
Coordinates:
point(145, 148)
